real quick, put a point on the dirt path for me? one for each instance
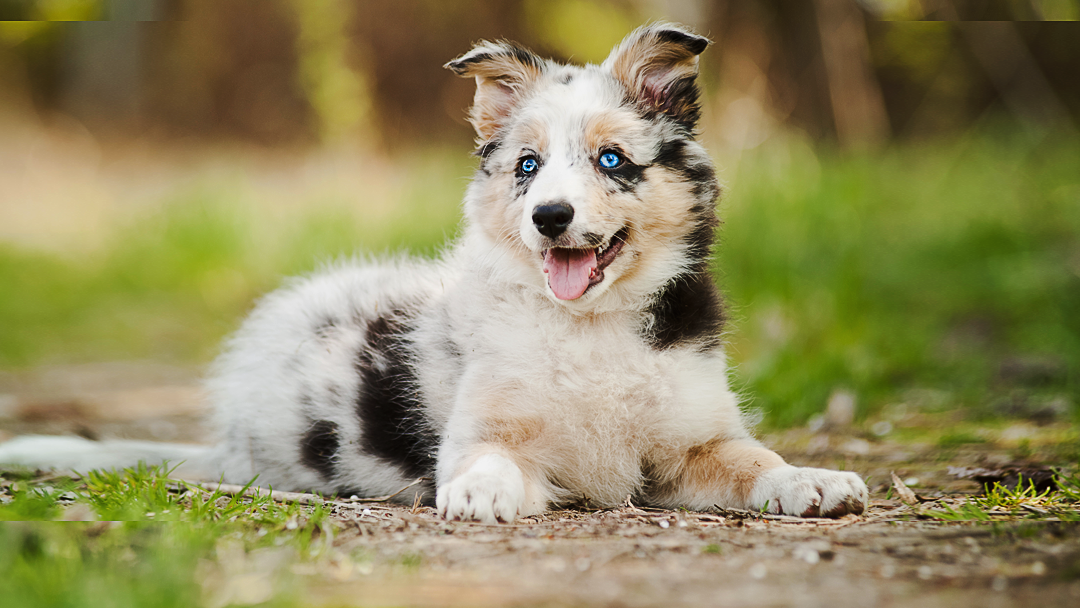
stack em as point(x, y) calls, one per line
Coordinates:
point(631, 557)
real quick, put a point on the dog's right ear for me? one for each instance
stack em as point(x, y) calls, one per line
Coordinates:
point(658, 65)
point(503, 72)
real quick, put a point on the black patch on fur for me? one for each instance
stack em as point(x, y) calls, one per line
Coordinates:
point(673, 156)
point(566, 78)
point(523, 55)
point(593, 239)
point(318, 448)
point(627, 175)
point(700, 240)
point(484, 152)
point(487, 148)
point(523, 180)
point(388, 404)
point(506, 48)
point(651, 488)
point(681, 102)
point(693, 43)
point(679, 105)
point(689, 309)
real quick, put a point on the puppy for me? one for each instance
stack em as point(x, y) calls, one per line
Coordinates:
point(566, 349)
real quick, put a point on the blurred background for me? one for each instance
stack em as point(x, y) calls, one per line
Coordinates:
point(902, 204)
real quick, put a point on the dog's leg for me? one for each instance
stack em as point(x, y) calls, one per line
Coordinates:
point(740, 473)
point(488, 471)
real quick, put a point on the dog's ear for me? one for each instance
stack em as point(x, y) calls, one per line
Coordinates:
point(503, 72)
point(658, 64)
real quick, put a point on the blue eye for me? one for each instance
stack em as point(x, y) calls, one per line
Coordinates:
point(610, 160)
point(529, 165)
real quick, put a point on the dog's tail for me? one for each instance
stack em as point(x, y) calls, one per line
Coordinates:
point(78, 454)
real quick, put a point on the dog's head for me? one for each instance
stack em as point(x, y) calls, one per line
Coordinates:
point(590, 177)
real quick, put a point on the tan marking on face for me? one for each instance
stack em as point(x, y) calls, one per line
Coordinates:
point(607, 130)
point(668, 217)
point(500, 217)
point(531, 135)
point(662, 219)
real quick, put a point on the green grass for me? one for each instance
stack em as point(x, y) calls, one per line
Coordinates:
point(947, 269)
point(924, 266)
point(172, 283)
point(148, 545)
point(959, 438)
point(1000, 503)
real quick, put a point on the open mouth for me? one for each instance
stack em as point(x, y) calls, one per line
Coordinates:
point(571, 272)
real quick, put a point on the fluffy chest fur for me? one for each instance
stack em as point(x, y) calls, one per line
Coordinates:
point(590, 396)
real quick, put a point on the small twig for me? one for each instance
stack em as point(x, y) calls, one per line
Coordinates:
point(228, 489)
point(886, 516)
point(630, 506)
point(53, 475)
point(415, 482)
point(303, 498)
point(707, 517)
point(744, 514)
point(1034, 509)
point(653, 509)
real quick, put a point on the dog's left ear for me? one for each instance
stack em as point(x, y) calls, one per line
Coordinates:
point(503, 71)
point(658, 64)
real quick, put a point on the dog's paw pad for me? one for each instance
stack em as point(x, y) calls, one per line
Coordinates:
point(492, 490)
point(809, 492)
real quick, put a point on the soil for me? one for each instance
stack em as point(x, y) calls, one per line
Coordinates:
point(389, 555)
point(633, 557)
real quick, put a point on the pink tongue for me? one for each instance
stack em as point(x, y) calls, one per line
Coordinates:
point(568, 271)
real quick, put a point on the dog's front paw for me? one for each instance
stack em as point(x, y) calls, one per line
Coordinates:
point(809, 492)
point(491, 490)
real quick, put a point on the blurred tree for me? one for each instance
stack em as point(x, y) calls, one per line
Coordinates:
point(1015, 73)
point(338, 93)
point(228, 69)
point(287, 72)
point(770, 51)
point(102, 60)
point(857, 106)
point(582, 30)
point(403, 45)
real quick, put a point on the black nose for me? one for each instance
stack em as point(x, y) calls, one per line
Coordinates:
point(552, 220)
